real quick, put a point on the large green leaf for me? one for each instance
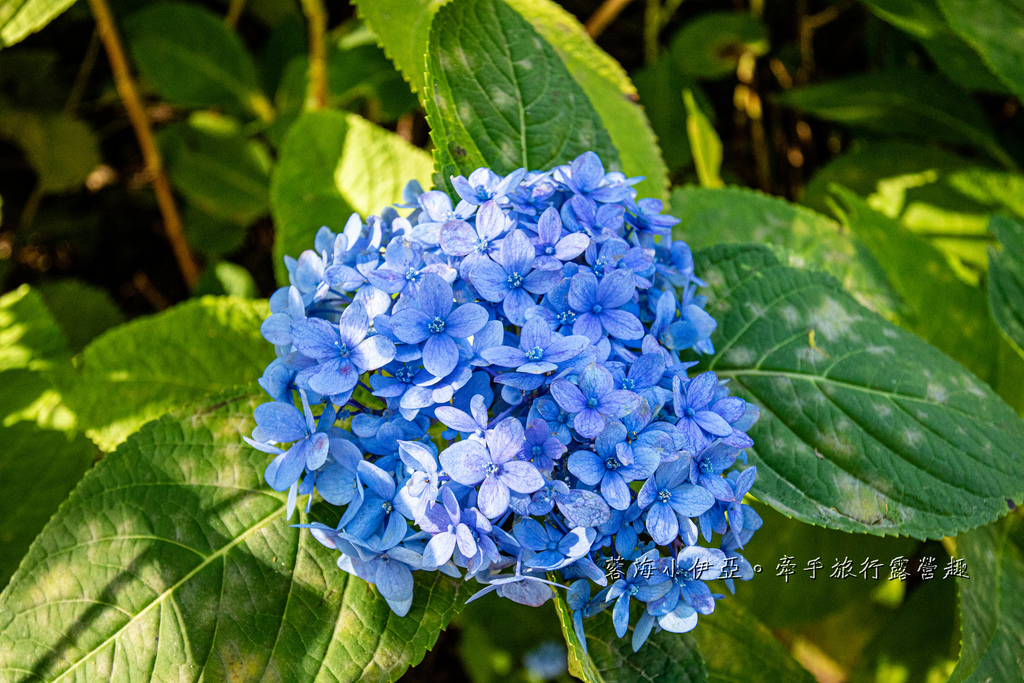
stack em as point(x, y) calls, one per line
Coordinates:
point(62, 150)
point(500, 96)
point(38, 468)
point(609, 90)
point(173, 560)
point(736, 648)
point(990, 615)
point(332, 165)
point(217, 168)
point(940, 308)
point(666, 657)
point(20, 18)
point(140, 371)
point(668, 119)
point(403, 27)
point(863, 426)
point(190, 56)
point(994, 29)
point(1006, 280)
point(737, 215)
point(902, 102)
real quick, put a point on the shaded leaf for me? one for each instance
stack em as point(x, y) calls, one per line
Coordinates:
point(38, 469)
point(141, 370)
point(184, 562)
point(992, 27)
point(61, 150)
point(1006, 280)
point(668, 119)
point(863, 426)
point(780, 603)
point(193, 59)
point(738, 215)
point(217, 168)
point(990, 616)
point(710, 45)
point(331, 165)
point(902, 102)
point(29, 336)
point(736, 648)
point(82, 311)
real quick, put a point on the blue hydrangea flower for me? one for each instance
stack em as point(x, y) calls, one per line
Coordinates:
point(593, 400)
point(606, 469)
point(511, 278)
point(668, 494)
point(596, 305)
point(435, 322)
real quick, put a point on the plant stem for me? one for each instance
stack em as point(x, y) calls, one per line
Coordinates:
point(235, 9)
point(316, 16)
point(604, 15)
point(652, 29)
point(150, 152)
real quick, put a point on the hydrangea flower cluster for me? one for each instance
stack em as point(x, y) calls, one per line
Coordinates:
point(493, 388)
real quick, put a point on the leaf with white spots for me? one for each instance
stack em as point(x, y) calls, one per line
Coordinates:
point(498, 95)
point(172, 561)
point(864, 427)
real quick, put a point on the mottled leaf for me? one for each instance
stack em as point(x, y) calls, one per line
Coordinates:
point(1006, 279)
point(993, 28)
point(864, 427)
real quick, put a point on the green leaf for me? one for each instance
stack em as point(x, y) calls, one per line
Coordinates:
point(29, 336)
point(990, 615)
point(173, 558)
point(82, 311)
point(736, 215)
point(902, 102)
point(403, 28)
point(501, 97)
point(992, 27)
point(226, 278)
point(61, 150)
point(710, 45)
point(609, 90)
point(940, 308)
point(603, 80)
point(331, 165)
point(20, 18)
point(736, 648)
point(778, 603)
point(193, 59)
point(705, 143)
point(140, 371)
point(38, 469)
point(932, 192)
point(1006, 279)
point(954, 58)
point(217, 168)
point(863, 426)
point(665, 657)
point(211, 236)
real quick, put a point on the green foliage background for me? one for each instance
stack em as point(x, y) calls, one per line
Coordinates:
point(848, 174)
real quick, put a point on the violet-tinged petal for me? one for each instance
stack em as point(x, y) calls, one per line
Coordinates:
point(373, 352)
point(622, 324)
point(541, 281)
point(435, 296)
point(662, 524)
point(691, 501)
point(589, 423)
point(457, 238)
point(517, 253)
point(505, 356)
point(588, 467)
point(281, 422)
point(490, 280)
point(439, 550)
point(379, 481)
point(315, 338)
point(465, 321)
point(411, 325)
point(615, 491)
point(568, 396)
point(465, 462)
point(712, 423)
point(333, 377)
point(571, 246)
point(616, 289)
point(521, 476)
point(440, 354)
point(582, 291)
point(493, 497)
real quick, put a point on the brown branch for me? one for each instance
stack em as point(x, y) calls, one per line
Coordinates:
point(608, 12)
point(316, 17)
point(235, 9)
point(150, 152)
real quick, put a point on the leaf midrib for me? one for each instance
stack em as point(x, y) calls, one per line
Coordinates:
point(185, 579)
